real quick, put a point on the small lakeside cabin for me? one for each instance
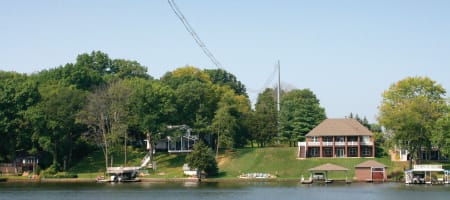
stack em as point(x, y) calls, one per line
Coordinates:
point(427, 174)
point(122, 174)
point(371, 171)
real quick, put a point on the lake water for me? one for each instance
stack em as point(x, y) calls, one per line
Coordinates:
point(219, 191)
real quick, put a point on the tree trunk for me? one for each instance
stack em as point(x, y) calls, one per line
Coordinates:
point(199, 175)
point(105, 153)
point(55, 155)
point(217, 146)
point(151, 147)
point(125, 153)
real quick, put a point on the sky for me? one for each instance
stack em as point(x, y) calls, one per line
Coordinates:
point(347, 52)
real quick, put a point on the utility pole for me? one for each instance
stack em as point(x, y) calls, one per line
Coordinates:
point(279, 88)
point(278, 100)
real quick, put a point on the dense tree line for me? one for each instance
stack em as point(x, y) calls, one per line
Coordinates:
point(64, 113)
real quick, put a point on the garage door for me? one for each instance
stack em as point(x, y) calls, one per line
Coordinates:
point(377, 175)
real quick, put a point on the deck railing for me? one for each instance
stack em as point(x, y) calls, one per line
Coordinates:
point(327, 143)
point(352, 143)
point(313, 143)
point(427, 167)
point(340, 143)
point(366, 143)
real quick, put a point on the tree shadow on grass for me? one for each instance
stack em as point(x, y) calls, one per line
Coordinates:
point(221, 174)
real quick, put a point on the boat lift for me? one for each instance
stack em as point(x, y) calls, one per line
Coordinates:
point(421, 174)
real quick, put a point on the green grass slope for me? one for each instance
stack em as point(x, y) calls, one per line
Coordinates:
point(283, 163)
point(279, 161)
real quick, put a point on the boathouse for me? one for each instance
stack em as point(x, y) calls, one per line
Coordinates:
point(321, 173)
point(370, 170)
point(429, 174)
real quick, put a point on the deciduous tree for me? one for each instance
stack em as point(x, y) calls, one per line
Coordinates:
point(17, 94)
point(410, 110)
point(53, 119)
point(106, 114)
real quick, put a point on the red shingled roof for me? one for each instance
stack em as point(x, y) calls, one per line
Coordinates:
point(339, 127)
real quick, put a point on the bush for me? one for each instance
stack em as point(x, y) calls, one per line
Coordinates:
point(212, 169)
point(52, 170)
point(397, 176)
point(60, 175)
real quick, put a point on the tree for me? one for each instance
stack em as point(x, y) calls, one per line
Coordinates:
point(17, 94)
point(106, 115)
point(151, 106)
point(365, 122)
point(265, 118)
point(122, 69)
point(206, 99)
point(441, 133)
point(55, 128)
point(224, 78)
point(92, 70)
point(228, 119)
point(300, 113)
point(202, 159)
point(410, 109)
point(185, 75)
point(195, 97)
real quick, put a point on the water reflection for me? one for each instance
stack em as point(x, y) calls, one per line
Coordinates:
point(219, 191)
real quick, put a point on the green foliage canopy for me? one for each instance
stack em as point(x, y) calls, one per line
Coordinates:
point(300, 113)
point(410, 110)
point(202, 159)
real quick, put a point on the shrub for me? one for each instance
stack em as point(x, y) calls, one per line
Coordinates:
point(60, 175)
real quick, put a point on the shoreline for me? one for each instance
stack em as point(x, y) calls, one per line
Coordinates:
point(168, 180)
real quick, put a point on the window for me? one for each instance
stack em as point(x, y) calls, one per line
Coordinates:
point(340, 152)
point(314, 139)
point(328, 139)
point(314, 152)
point(366, 139)
point(352, 139)
point(340, 139)
point(378, 169)
point(328, 152)
point(366, 151)
point(352, 151)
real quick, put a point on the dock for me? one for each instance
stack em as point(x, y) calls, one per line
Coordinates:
point(427, 174)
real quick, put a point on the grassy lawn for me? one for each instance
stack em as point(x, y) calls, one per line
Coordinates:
point(167, 165)
point(93, 165)
point(282, 162)
point(279, 161)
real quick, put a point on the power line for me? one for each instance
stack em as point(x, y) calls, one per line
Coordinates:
point(194, 35)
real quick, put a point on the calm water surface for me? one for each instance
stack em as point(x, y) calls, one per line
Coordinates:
point(219, 191)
